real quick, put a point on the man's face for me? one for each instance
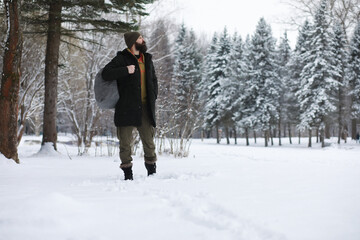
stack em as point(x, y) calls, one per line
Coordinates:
point(140, 45)
point(140, 40)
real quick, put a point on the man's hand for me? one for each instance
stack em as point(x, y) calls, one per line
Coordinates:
point(131, 69)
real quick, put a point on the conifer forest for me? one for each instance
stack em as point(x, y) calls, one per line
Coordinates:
point(225, 87)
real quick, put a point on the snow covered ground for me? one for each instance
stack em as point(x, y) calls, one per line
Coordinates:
point(219, 192)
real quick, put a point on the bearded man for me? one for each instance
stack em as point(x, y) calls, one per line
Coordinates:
point(137, 84)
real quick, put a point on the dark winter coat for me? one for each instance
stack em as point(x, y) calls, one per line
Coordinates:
point(129, 107)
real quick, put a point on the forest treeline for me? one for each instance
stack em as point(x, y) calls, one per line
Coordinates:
point(242, 86)
point(259, 86)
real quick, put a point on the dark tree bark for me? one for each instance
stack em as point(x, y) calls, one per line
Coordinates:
point(235, 135)
point(279, 132)
point(289, 129)
point(322, 137)
point(51, 73)
point(217, 134)
point(208, 133)
point(353, 129)
point(345, 132)
point(339, 134)
point(341, 107)
point(266, 136)
point(309, 145)
point(327, 131)
point(247, 136)
point(10, 82)
point(227, 135)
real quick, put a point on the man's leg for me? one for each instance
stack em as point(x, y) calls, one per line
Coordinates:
point(147, 133)
point(125, 136)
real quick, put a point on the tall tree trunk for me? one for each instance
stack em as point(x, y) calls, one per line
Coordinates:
point(89, 120)
point(289, 129)
point(217, 134)
point(279, 133)
point(255, 136)
point(235, 135)
point(353, 128)
point(51, 73)
point(340, 114)
point(317, 135)
point(37, 124)
point(327, 131)
point(22, 123)
point(266, 137)
point(247, 136)
point(322, 137)
point(346, 131)
point(309, 145)
point(299, 136)
point(10, 81)
point(227, 135)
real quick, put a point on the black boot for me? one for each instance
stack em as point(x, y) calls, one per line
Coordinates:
point(128, 173)
point(151, 168)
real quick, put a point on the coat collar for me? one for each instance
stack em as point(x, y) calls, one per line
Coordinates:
point(126, 52)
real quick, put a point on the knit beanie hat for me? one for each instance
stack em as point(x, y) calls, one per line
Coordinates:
point(130, 38)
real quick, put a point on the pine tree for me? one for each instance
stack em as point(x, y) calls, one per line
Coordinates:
point(265, 78)
point(180, 63)
point(245, 117)
point(317, 77)
point(354, 78)
point(212, 84)
point(238, 72)
point(175, 85)
point(296, 65)
point(284, 55)
point(340, 57)
point(227, 86)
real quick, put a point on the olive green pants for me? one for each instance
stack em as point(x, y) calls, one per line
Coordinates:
point(146, 132)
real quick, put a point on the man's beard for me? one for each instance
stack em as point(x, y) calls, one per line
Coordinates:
point(141, 47)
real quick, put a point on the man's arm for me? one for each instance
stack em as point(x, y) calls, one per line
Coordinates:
point(113, 70)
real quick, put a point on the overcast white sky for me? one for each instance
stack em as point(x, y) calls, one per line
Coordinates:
point(208, 16)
